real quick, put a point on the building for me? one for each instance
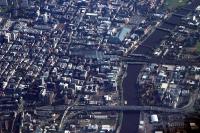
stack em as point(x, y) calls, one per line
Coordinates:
point(120, 36)
point(154, 118)
point(3, 3)
point(24, 3)
point(16, 3)
point(158, 131)
point(45, 18)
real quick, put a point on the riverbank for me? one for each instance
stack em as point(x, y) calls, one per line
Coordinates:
point(120, 80)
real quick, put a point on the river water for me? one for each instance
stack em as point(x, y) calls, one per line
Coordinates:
point(130, 88)
point(130, 119)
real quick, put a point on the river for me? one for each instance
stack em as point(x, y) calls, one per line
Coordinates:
point(130, 88)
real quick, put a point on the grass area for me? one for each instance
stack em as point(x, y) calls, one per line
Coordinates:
point(172, 4)
point(198, 47)
point(104, 121)
point(1, 9)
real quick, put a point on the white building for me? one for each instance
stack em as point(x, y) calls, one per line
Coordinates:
point(154, 118)
point(45, 17)
point(106, 128)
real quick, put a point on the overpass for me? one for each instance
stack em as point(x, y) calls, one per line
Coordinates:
point(116, 108)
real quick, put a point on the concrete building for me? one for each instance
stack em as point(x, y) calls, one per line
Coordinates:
point(154, 118)
point(3, 3)
point(24, 3)
point(16, 3)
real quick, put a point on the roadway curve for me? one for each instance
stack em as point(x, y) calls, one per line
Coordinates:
point(190, 105)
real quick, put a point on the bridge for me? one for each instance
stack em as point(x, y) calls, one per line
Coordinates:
point(170, 23)
point(187, 9)
point(140, 55)
point(116, 108)
point(181, 62)
point(164, 29)
point(178, 15)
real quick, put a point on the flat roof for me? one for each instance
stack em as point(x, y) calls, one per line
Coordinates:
point(123, 33)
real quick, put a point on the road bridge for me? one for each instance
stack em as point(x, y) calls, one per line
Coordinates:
point(117, 108)
point(124, 108)
point(170, 23)
point(187, 9)
point(178, 15)
point(180, 62)
point(164, 29)
point(140, 55)
point(136, 63)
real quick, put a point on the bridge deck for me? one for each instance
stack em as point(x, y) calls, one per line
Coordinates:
point(162, 61)
point(110, 108)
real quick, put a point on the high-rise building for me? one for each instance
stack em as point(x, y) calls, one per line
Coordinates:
point(15, 3)
point(45, 17)
point(3, 2)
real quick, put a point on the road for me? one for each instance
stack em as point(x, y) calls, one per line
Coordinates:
point(190, 105)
